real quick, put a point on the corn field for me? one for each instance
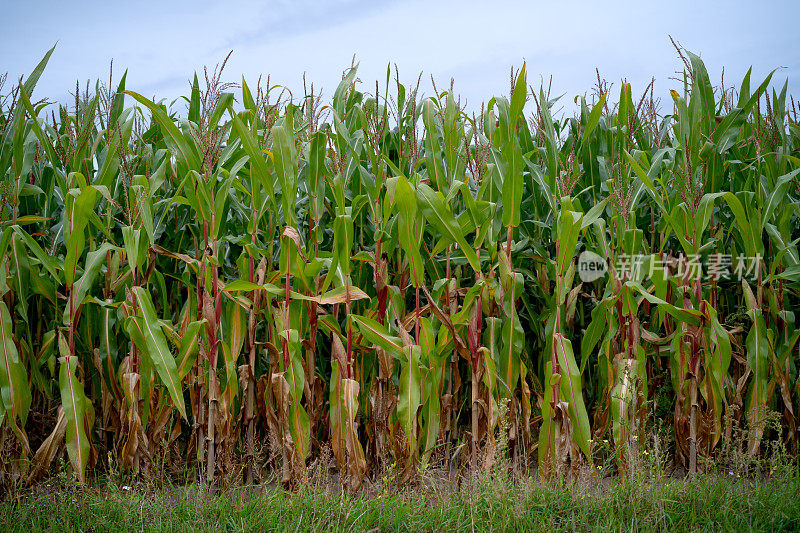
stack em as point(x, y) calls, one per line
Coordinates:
point(236, 282)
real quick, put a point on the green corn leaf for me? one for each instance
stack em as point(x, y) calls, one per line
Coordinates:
point(258, 162)
point(409, 394)
point(285, 158)
point(572, 391)
point(377, 334)
point(437, 212)
point(78, 410)
point(183, 148)
point(15, 393)
point(410, 226)
point(156, 348)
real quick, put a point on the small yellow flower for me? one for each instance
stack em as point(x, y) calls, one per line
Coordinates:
point(605, 441)
point(635, 438)
point(646, 452)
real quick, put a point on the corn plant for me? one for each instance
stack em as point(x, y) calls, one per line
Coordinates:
point(252, 278)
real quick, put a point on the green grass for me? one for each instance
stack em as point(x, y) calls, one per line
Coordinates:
point(707, 503)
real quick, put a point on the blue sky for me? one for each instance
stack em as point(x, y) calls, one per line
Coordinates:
point(163, 43)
